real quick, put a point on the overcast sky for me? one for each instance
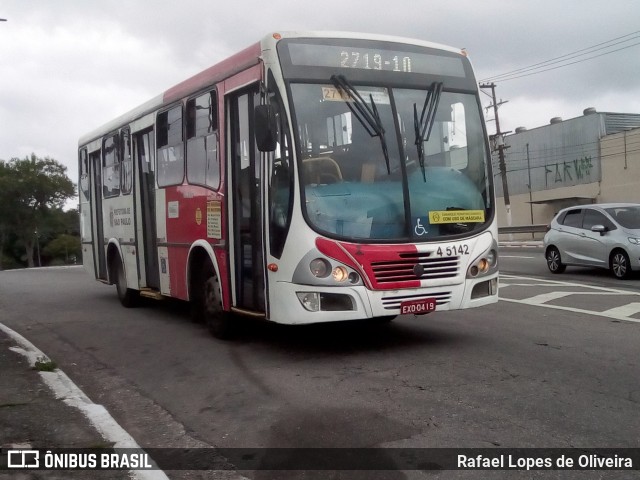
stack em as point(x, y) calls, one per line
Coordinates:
point(68, 66)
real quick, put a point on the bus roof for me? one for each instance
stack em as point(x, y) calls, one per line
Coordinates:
point(356, 35)
point(224, 69)
point(245, 58)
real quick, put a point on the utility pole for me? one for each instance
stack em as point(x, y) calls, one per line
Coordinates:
point(500, 145)
point(533, 235)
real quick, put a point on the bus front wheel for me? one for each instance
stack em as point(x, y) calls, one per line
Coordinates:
point(219, 322)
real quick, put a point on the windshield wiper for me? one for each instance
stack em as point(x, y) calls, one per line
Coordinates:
point(366, 114)
point(424, 124)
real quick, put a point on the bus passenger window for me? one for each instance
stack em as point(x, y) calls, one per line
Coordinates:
point(170, 159)
point(203, 167)
point(126, 180)
point(84, 176)
point(110, 167)
point(280, 186)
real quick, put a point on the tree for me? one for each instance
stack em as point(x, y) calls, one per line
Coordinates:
point(64, 248)
point(30, 188)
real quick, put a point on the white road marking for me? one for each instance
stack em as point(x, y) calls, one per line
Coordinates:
point(546, 297)
point(576, 310)
point(623, 293)
point(540, 282)
point(64, 388)
point(622, 312)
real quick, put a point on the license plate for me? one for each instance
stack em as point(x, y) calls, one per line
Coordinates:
point(418, 307)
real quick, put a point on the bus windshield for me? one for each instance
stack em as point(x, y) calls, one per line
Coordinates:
point(383, 180)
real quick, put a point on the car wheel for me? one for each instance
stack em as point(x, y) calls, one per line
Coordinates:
point(620, 265)
point(554, 262)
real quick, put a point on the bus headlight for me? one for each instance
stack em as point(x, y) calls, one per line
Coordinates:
point(314, 269)
point(320, 268)
point(484, 264)
point(340, 274)
point(492, 258)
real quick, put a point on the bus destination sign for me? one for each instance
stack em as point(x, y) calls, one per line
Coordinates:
point(382, 58)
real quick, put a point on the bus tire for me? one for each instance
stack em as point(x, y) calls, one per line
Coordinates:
point(196, 293)
point(219, 322)
point(128, 297)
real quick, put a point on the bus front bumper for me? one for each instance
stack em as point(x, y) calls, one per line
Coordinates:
point(305, 304)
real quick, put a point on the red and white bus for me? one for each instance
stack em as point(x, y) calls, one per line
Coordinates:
point(312, 177)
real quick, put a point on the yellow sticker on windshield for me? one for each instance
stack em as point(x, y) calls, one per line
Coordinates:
point(333, 95)
point(378, 95)
point(456, 216)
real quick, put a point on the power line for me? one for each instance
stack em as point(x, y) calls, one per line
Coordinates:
point(567, 64)
point(545, 64)
point(571, 55)
point(540, 66)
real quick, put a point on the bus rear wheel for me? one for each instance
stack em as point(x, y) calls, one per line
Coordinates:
point(219, 322)
point(127, 296)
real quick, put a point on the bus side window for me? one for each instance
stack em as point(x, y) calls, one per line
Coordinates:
point(126, 180)
point(110, 167)
point(170, 157)
point(203, 167)
point(84, 176)
point(280, 186)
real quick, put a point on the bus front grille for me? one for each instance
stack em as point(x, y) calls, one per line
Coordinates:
point(406, 268)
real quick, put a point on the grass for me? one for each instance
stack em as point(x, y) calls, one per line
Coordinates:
point(44, 364)
point(12, 404)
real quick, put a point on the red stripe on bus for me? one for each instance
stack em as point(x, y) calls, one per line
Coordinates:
point(225, 69)
point(360, 257)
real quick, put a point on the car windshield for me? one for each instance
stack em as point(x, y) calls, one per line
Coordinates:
point(626, 216)
point(377, 179)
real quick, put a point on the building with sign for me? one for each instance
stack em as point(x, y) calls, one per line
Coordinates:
point(593, 158)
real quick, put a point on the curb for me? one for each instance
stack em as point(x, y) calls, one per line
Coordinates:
point(63, 388)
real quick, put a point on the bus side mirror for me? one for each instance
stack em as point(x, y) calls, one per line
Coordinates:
point(266, 128)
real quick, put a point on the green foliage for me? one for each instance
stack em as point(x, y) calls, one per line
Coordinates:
point(33, 191)
point(44, 364)
point(63, 249)
point(8, 262)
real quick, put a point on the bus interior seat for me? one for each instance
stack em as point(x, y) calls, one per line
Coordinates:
point(321, 170)
point(368, 173)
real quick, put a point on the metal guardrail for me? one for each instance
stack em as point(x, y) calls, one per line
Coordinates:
point(523, 229)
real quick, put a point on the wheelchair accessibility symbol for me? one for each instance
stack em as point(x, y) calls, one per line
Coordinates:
point(419, 228)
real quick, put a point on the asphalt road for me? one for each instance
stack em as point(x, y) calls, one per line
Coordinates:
point(530, 261)
point(510, 375)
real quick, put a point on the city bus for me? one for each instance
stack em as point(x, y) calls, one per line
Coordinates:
point(311, 177)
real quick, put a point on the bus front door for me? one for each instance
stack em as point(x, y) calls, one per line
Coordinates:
point(245, 186)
